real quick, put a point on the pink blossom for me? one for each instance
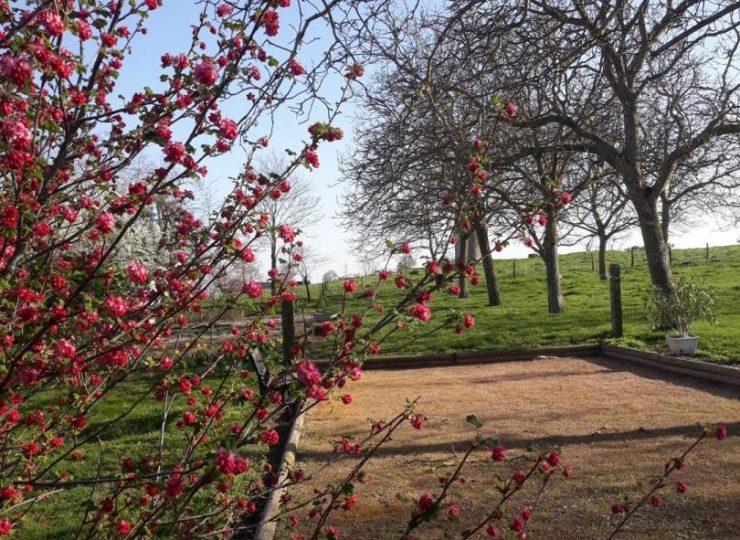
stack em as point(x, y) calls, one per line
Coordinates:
point(123, 527)
point(286, 233)
point(498, 453)
point(231, 464)
point(421, 312)
point(174, 152)
point(205, 73)
point(116, 306)
point(425, 503)
point(271, 22)
point(295, 68)
point(307, 372)
point(228, 129)
point(252, 289)
point(17, 133)
point(468, 320)
point(270, 437)
point(224, 10)
point(16, 68)
point(312, 158)
point(137, 272)
point(105, 222)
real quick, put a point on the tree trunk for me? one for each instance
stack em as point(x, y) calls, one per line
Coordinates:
point(645, 203)
point(602, 256)
point(273, 262)
point(665, 217)
point(494, 296)
point(656, 249)
point(462, 262)
point(555, 303)
point(308, 288)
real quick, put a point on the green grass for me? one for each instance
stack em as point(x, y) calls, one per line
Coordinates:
point(522, 321)
point(137, 435)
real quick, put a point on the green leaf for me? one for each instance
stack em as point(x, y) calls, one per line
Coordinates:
point(473, 421)
point(487, 441)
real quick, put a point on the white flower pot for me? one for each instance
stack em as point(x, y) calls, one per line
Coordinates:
point(683, 345)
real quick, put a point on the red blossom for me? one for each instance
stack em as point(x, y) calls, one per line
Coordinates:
point(425, 503)
point(270, 437)
point(205, 73)
point(421, 312)
point(252, 289)
point(498, 453)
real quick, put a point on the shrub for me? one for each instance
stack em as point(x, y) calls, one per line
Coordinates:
point(687, 303)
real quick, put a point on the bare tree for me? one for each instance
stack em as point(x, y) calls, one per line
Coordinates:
point(415, 149)
point(628, 56)
point(311, 262)
point(297, 206)
point(602, 212)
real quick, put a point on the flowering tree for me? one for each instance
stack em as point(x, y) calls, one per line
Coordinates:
point(83, 318)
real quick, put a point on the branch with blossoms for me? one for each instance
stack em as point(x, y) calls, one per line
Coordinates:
point(660, 482)
point(429, 507)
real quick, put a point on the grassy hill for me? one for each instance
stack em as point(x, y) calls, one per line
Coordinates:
point(522, 321)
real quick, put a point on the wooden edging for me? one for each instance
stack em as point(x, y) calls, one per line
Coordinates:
point(472, 357)
point(266, 526)
point(684, 366)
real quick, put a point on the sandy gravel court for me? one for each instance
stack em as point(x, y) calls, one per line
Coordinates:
point(617, 425)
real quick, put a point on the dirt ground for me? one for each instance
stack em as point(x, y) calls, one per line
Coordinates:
point(617, 425)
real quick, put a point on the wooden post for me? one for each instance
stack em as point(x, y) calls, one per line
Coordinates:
point(514, 265)
point(632, 255)
point(706, 253)
point(287, 315)
point(593, 266)
point(616, 299)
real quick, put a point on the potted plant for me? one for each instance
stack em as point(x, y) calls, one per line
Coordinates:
point(687, 303)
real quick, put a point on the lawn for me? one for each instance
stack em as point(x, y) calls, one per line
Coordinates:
point(522, 321)
point(616, 425)
point(137, 435)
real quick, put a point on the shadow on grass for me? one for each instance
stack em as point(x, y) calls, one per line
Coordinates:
point(131, 425)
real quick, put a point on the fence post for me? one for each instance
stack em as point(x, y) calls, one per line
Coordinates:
point(287, 316)
point(514, 265)
point(632, 256)
point(706, 253)
point(615, 290)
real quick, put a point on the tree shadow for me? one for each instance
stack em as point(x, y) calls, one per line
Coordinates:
point(647, 372)
point(513, 442)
